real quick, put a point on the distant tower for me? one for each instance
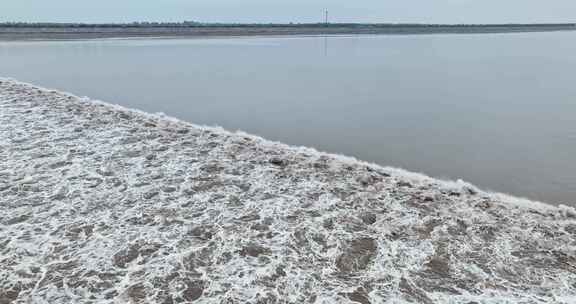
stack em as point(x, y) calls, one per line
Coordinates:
point(326, 17)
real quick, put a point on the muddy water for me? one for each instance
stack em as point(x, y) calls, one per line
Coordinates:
point(495, 110)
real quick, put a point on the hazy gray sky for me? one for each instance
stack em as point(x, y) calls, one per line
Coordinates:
point(426, 11)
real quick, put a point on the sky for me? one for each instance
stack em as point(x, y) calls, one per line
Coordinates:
point(283, 11)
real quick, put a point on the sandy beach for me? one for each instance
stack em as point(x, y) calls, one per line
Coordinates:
point(102, 204)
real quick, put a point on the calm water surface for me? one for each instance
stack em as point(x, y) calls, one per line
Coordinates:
point(496, 110)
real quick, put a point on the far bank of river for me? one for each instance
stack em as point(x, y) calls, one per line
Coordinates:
point(59, 32)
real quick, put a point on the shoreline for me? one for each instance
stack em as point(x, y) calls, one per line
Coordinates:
point(121, 205)
point(91, 33)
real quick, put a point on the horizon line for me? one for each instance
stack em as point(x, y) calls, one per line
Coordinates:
point(199, 23)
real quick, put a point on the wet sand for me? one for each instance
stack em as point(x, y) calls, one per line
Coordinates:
point(103, 204)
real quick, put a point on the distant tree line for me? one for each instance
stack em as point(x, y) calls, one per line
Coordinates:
point(99, 25)
point(194, 24)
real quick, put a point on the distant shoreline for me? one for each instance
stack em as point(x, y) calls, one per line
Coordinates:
point(41, 31)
